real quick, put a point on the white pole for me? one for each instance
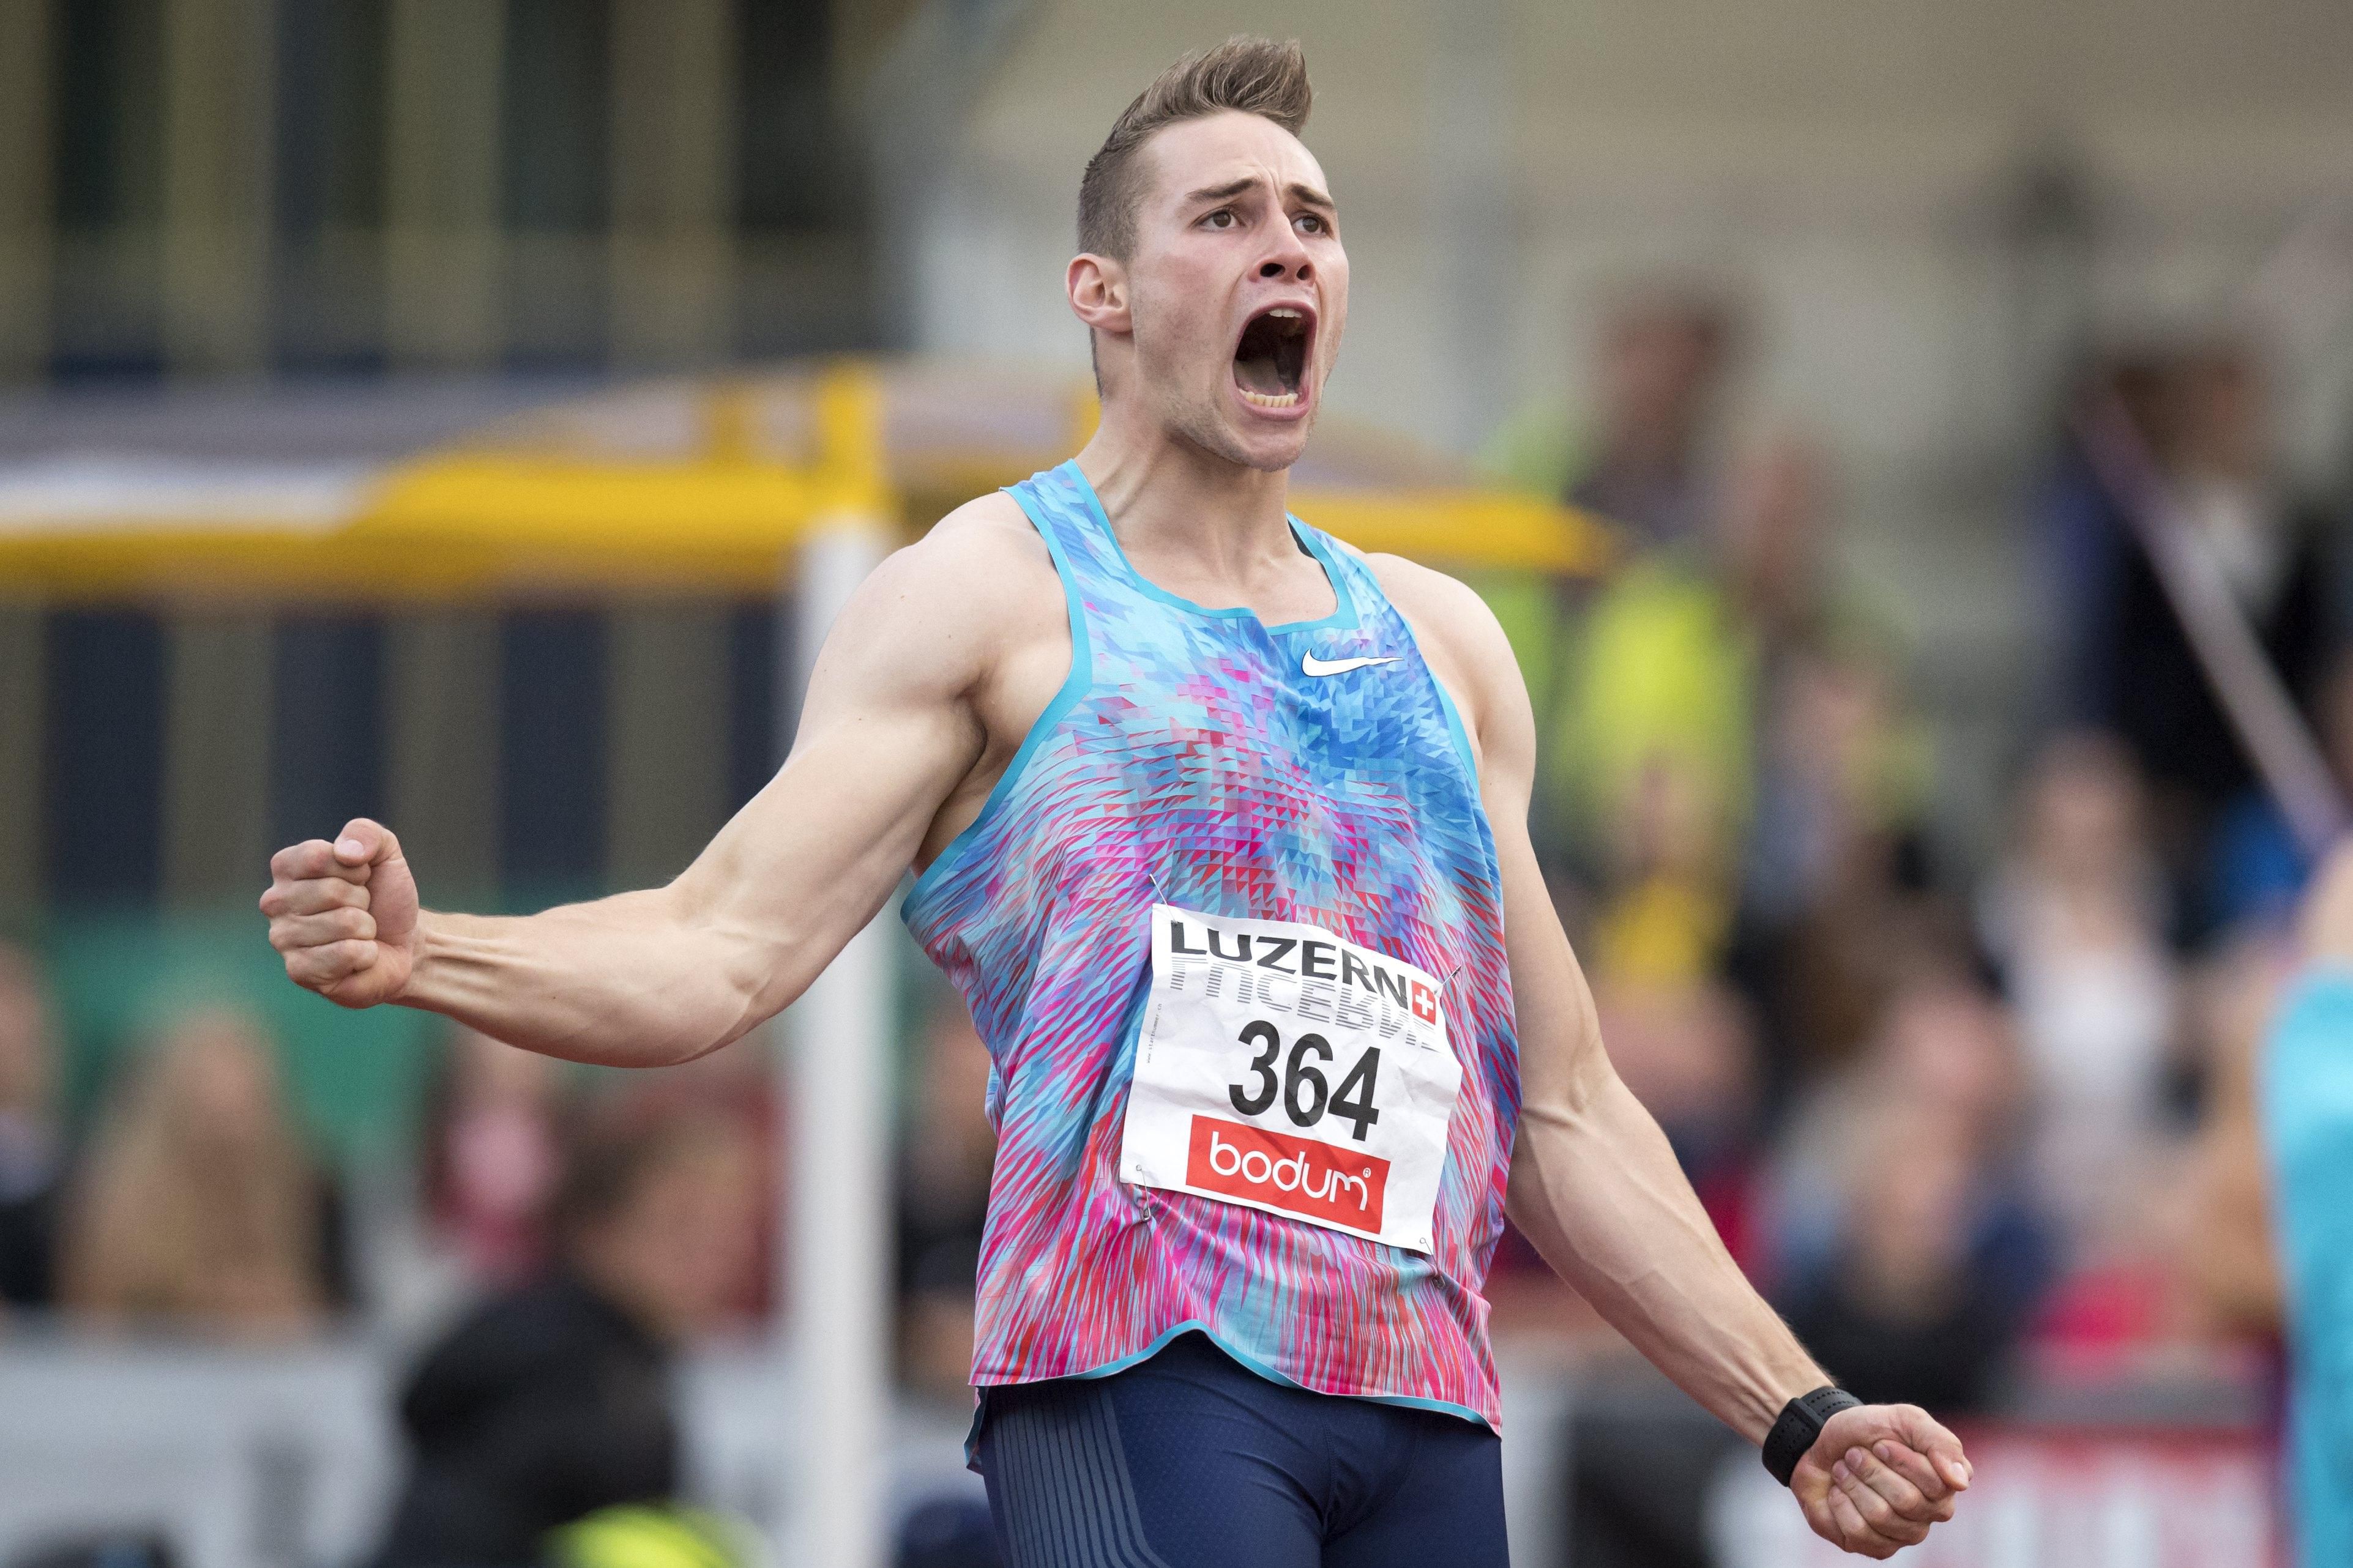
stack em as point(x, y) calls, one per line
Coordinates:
point(835, 1247)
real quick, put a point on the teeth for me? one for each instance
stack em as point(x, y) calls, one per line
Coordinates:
point(1269, 399)
point(1285, 313)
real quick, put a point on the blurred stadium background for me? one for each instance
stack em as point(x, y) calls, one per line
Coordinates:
point(453, 410)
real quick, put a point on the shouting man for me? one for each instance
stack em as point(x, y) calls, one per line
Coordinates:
point(1220, 829)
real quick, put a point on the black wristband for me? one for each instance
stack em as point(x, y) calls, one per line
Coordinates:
point(1801, 1421)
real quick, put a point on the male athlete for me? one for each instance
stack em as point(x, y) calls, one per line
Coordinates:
point(1220, 829)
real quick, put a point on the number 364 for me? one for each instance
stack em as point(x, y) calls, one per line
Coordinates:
point(1307, 1098)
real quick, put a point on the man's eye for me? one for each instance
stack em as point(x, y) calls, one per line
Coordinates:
point(1222, 218)
point(1311, 222)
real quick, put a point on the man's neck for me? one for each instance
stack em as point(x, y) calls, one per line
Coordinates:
point(1168, 498)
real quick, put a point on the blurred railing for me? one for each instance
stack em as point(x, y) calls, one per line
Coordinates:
point(288, 1456)
point(274, 1457)
point(2063, 1497)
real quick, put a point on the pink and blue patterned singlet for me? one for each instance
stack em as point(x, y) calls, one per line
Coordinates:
point(1201, 759)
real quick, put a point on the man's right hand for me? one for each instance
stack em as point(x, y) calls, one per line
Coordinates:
point(344, 915)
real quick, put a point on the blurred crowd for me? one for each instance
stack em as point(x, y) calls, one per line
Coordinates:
point(193, 1205)
point(561, 1237)
point(1973, 1120)
point(1976, 1121)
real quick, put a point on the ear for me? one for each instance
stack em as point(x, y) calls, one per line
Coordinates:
point(1098, 290)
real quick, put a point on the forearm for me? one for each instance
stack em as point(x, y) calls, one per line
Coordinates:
point(1597, 1189)
point(628, 981)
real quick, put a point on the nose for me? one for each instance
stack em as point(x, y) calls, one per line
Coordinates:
point(1289, 259)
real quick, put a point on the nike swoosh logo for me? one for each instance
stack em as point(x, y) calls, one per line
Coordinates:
point(1309, 664)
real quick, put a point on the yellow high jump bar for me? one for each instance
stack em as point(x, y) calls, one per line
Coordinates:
point(479, 521)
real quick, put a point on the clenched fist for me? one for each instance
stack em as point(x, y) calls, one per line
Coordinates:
point(1879, 1476)
point(344, 915)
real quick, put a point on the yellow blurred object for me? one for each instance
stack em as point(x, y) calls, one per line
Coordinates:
point(1665, 676)
point(646, 1536)
point(678, 487)
point(1664, 931)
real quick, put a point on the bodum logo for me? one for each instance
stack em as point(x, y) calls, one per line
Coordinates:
point(1300, 1175)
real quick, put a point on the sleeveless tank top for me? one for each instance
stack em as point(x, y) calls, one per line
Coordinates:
point(1192, 760)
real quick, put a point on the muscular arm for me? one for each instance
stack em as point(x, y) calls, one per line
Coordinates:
point(668, 973)
point(1594, 1184)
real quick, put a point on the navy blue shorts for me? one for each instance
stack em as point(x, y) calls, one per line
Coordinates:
point(1190, 1460)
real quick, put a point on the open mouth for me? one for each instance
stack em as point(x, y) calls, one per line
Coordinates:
point(1271, 357)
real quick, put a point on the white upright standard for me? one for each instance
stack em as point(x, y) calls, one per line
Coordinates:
point(834, 1251)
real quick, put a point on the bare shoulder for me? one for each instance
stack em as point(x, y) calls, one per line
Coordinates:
point(1450, 606)
point(984, 548)
point(980, 581)
point(995, 520)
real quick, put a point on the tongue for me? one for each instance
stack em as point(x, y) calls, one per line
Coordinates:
point(1259, 373)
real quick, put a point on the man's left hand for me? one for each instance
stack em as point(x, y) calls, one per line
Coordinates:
point(1878, 1476)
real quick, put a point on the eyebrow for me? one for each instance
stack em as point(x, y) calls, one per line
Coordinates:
point(1305, 194)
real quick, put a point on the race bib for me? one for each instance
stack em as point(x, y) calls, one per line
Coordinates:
point(1283, 1068)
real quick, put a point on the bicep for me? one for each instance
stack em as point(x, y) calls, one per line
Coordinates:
point(887, 731)
point(1561, 1059)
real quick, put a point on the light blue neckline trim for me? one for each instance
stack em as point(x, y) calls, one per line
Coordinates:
point(1461, 737)
point(1343, 604)
point(1074, 687)
point(1246, 1362)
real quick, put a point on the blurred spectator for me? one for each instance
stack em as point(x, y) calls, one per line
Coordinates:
point(945, 1170)
point(2203, 410)
point(2183, 1272)
point(1769, 539)
point(198, 1207)
point(1664, 903)
point(1666, 347)
point(552, 1401)
point(2224, 1255)
point(1841, 784)
point(743, 1084)
point(1836, 910)
point(1900, 1314)
point(1910, 1262)
point(2074, 918)
point(1750, 673)
point(32, 1147)
point(1661, 691)
point(1642, 463)
point(492, 1154)
point(474, 1217)
point(2083, 542)
point(1664, 355)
